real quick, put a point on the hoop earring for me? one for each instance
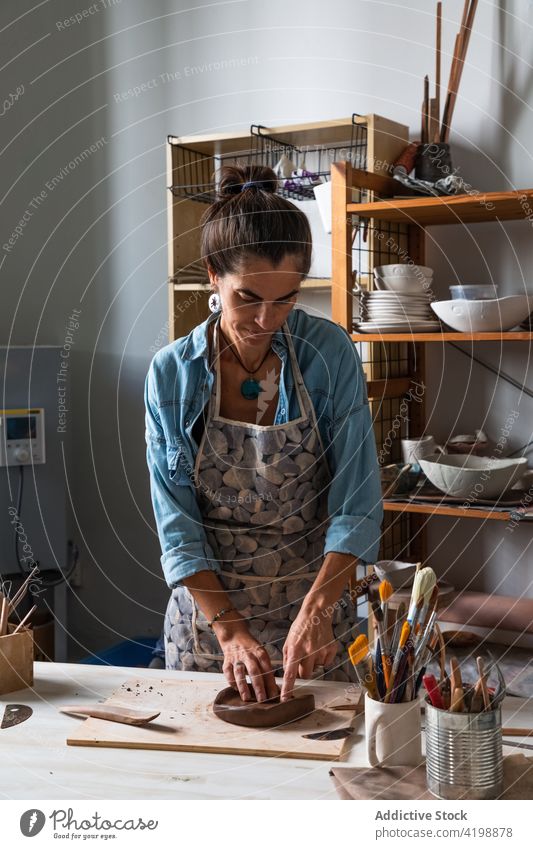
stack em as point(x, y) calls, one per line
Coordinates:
point(214, 302)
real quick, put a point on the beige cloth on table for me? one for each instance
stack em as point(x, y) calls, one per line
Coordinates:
point(407, 782)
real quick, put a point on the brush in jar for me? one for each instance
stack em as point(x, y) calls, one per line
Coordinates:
point(400, 656)
point(361, 660)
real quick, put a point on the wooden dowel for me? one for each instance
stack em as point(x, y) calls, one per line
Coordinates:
point(436, 135)
point(3, 617)
point(28, 614)
point(518, 732)
point(17, 598)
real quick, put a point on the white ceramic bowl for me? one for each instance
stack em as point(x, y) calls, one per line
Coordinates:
point(404, 284)
point(399, 574)
point(467, 476)
point(402, 270)
point(478, 316)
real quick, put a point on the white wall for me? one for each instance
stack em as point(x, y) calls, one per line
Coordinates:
point(98, 240)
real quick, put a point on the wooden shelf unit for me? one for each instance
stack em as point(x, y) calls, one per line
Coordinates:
point(190, 158)
point(391, 375)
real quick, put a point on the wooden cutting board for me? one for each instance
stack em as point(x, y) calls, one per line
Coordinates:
point(187, 722)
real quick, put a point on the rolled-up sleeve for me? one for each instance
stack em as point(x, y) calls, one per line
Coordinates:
point(184, 546)
point(354, 498)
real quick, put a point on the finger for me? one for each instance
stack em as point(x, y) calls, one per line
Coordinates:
point(289, 677)
point(256, 674)
point(331, 653)
point(227, 669)
point(272, 689)
point(307, 664)
point(239, 671)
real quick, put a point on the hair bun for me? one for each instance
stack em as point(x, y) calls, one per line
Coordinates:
point(235, 178)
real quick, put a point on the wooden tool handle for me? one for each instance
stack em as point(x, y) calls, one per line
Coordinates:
point(112, 713)
point(518, 732)
point(456, 704)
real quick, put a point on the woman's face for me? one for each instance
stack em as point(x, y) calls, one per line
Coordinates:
point(257, 299)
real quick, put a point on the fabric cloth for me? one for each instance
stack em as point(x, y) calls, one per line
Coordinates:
point(262, 492)
point(409, 783)
point(178, 387)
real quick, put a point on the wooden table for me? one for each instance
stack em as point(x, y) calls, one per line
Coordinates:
point(37, 763)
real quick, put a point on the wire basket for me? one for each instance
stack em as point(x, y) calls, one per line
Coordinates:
point(299, 168)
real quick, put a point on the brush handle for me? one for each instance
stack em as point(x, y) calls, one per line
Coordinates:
point(365, 672)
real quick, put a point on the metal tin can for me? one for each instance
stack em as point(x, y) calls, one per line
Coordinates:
point(464, 754)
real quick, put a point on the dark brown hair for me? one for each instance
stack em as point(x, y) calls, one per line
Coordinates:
point(252, 220)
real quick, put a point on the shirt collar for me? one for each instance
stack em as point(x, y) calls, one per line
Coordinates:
point(197, 343)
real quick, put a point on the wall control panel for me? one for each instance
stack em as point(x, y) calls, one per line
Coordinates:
point(22, 437)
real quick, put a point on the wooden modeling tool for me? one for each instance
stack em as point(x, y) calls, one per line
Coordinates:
point(111, 713)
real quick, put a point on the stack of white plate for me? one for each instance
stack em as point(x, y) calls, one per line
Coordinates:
point(395, 312)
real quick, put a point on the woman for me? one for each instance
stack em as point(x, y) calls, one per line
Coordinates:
point(262, 459)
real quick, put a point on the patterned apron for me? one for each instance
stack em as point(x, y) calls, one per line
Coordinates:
point(262, 493)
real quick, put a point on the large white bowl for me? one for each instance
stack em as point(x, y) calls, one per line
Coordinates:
point(466, 476)
point(478, 316)
point(403, 270)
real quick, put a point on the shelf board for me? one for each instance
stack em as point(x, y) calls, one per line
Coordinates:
point(317, 283)
point(446, 336)
point(452, 209)
point(446, 510)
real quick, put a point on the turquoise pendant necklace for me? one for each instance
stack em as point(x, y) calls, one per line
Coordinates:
point(250, 388)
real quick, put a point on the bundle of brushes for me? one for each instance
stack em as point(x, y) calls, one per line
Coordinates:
point(394, 672)
point(451, 694)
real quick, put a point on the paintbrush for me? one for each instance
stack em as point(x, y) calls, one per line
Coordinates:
point(361, 660)
point(385, 592)
point(385, 662)
point(400, 616)
point(423, 585)
point(380, 676)
point(399, 659)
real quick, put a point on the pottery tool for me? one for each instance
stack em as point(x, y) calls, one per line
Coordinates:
point(19, 595)
point(112, 713)
point(361, 661)
point(432, 689)
point(481, 684)
point(334, 734)
point(399, 658)
point(23, 621)
point(15, 714)
point(501, 690)
point(3, 617)
point(457, 703)
point(518, 732)
point(517, 745)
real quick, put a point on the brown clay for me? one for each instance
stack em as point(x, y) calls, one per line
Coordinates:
point(229, 707)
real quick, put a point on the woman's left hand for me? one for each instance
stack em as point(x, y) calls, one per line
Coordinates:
point(310, 643)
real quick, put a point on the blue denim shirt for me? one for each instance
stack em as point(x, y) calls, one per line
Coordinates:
point(178, 386)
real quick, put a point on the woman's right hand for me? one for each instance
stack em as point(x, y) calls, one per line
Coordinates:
point(244, 655)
